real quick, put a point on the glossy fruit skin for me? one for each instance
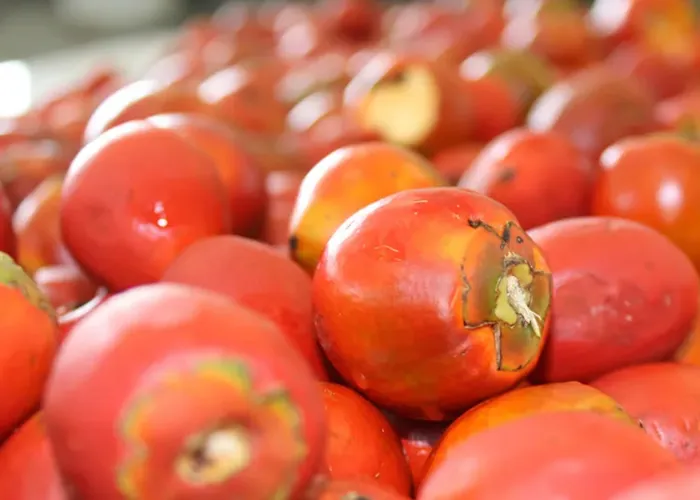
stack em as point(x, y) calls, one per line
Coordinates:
point(361, 443)
point(27, 468)
point(503, 84)
point(521, 403)
point(240, 175)
point(179, 362)
point(453, 162)
point(242, 99)
point(353, 489)
point(653, 180)
point(677, 484)
point(258, 277)
point(418, 439)
point(37, 226)
point(65, 286)
point(665, 397)
point(427, 355)
point(540, 176)
point(643, 288)
point(594, 108)
point(139, 100)
point(7, 234)
point(346, 181)
point(141, 195)
point(319, 125)
point(550, 455)
point(27, 345)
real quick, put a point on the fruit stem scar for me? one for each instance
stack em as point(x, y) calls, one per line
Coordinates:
point(513, 296)
point(214, 457)
point(518, 299)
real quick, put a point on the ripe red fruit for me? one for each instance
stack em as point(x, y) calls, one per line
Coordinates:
point(677, 484)
point(573, 455)
point(665, 397)
point(243, 181)
point(540, 176)
point(623, 295)
point(27, 344)
point(134, 198)
point(361, 443)
point(431, 300)
point(198, 398)
point(259, 277)
point(27, 468)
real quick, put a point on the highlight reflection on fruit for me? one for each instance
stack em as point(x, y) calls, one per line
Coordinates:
point(478, 296)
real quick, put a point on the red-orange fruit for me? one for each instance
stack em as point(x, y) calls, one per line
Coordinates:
point(361, 443)
point(257, 276)
point(665, 397)
point(27, 467)
point(242, 178)
point(431, 300)
point(573, 455)
point(27, 344)
point(199, 398)
point(134, 198)
point(623, 294)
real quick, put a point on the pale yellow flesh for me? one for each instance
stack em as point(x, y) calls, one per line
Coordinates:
point(405, 112)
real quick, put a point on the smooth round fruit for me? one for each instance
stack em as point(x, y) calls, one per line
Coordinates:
point(431, 300)
point(199, 398)
point(243, 180)
point(139, 100)
point(653, 180)
point(258, 277)
point(623, 295)
point(37, 227)
point(27, 344)
point(134, 198)
point(665, 397)
point(27, 468)
point(346, 181)
point(594, 108)
point(361, 443)
point(677, 484)
point(503, 85)
point(573, 455)
point(540, 176)
point(520, 403)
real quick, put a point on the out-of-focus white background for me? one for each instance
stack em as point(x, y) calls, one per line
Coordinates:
point(46, 43)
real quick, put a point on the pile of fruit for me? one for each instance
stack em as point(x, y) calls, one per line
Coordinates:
point(350, 251)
